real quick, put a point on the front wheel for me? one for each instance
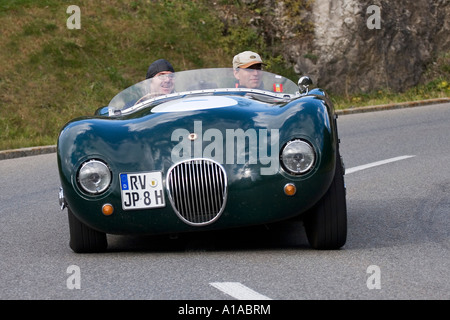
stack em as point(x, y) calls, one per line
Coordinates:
point(326, 223)
point(84, 239)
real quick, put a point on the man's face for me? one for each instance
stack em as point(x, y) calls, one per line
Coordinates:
point(162, 83)
point(249, 77)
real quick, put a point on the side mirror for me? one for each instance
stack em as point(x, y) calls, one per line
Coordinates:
point(304, 83)
point(103, 111)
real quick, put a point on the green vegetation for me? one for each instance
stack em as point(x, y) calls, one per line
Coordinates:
point(438, 88)
point(51, 74)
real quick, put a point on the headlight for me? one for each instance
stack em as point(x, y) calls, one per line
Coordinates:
point(94, 176)
point(297, 157)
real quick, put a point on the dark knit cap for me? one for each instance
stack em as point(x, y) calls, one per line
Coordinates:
point(157, 67)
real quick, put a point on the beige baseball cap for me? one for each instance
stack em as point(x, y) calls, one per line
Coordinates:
point(246, 59)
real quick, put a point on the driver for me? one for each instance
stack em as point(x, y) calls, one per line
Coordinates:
point(161, 75)
point(247, 68)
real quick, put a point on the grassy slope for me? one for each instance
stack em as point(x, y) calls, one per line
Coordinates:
point(50, 74)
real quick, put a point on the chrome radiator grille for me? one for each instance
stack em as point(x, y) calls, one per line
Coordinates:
point(197, 190)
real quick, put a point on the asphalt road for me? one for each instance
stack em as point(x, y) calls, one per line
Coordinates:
point(397, 248)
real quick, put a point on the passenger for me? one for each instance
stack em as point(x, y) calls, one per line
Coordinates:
point(161, 72)
point(162, 75)
point(247, 68)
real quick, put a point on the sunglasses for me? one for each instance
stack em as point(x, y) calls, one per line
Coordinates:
point(256, 66)
point(166, 76)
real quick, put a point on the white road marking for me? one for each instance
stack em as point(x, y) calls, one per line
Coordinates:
point(238, 290)
point(374, 164)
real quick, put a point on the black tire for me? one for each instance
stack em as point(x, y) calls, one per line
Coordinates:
point(326, 223)
point(84, 239)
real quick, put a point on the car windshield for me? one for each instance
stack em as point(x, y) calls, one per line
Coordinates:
point(217, 81)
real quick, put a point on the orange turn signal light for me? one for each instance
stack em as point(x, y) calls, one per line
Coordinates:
point(290, 189)
point(107, 209)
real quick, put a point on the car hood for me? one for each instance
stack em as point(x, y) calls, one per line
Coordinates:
point(155, 138)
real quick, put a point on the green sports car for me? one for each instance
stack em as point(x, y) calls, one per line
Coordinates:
point(208, 155)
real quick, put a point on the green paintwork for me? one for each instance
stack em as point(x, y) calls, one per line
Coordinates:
point(141, 142)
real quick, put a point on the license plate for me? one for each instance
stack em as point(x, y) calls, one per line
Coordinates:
point(142, 190)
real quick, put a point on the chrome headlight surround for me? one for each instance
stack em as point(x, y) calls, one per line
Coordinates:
point(94, 177)
point(297, 157)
